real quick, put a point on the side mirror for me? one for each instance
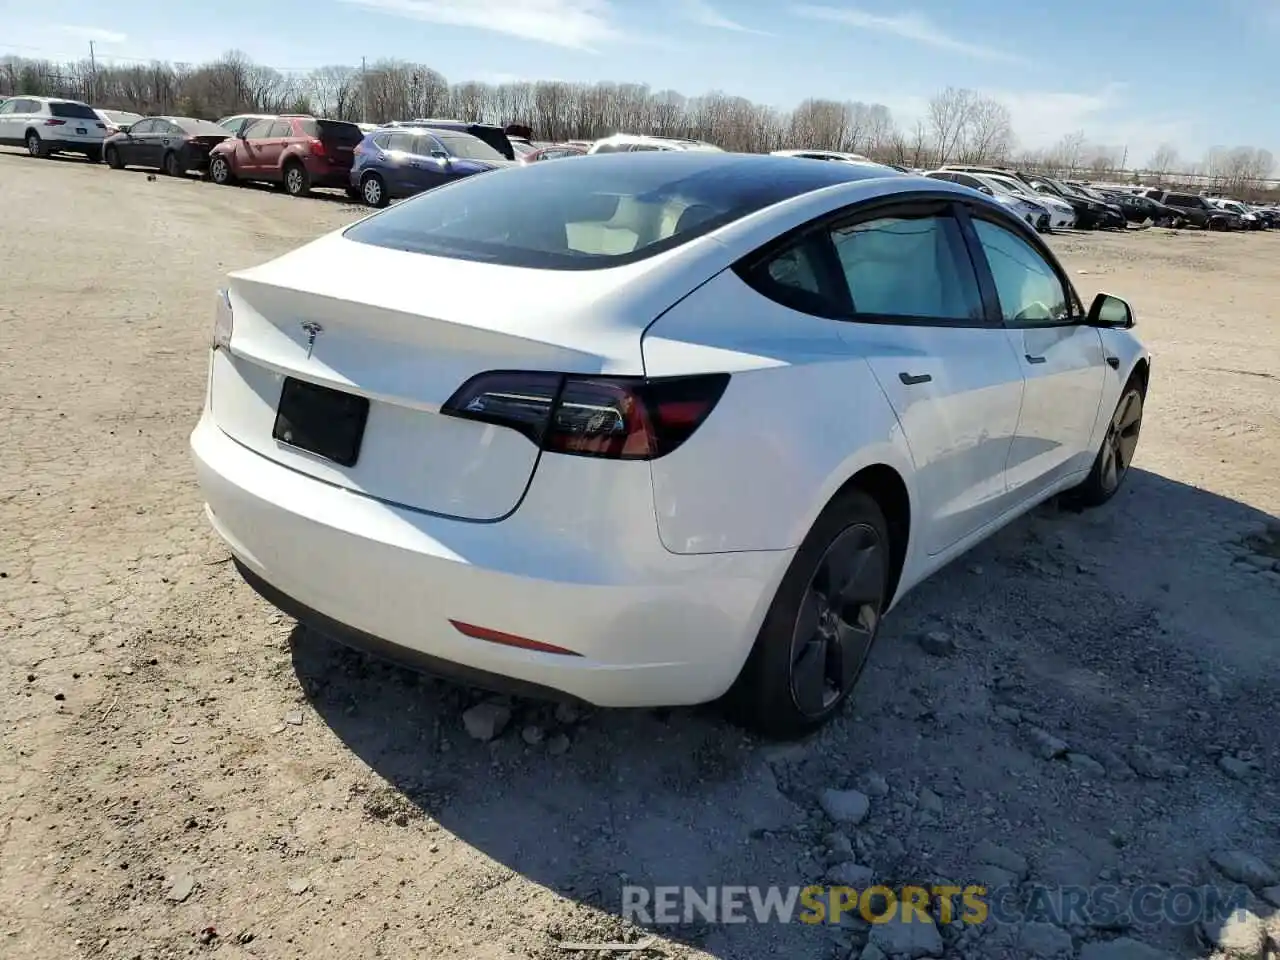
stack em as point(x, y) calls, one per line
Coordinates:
point(988, 191)
point(124, 128)
point(1109, 311)
point(439, 155)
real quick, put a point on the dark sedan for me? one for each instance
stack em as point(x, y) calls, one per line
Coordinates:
point(172, 144)
point(400, 161)
point(1139, 209)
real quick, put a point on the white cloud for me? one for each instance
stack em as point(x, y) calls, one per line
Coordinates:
point(703, 14)
point(576, 24)
point(97, 34)
point(909, 26)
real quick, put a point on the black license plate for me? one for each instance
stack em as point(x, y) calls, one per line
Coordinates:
point(322, 421)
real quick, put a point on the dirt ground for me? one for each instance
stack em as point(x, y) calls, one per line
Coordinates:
point(184, 771)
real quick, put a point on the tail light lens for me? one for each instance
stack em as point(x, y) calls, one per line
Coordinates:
point(618, 418)
point(223, 322)
point(55, 123)
point(317, 148)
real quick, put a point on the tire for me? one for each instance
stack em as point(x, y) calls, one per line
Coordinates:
point(297, 182)
point(35, 146)
point(170, 164)
point(1111, 465)
point(808, 656)
point(113, 159)
point(220, 171)
point(373, 191)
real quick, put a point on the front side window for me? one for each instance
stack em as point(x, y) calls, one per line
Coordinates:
point(910, 267)
point(280, 130)
point(1030, 291)
point(142, 128)
point(258, 130)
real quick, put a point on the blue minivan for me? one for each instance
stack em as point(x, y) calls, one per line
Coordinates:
point(395, 162)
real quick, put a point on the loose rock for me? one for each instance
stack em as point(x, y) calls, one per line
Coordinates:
point(1007, 713)
point(1241, 934)
point(180, 887)
point(1271, 895)
point(566, 713)
point(930, 801)
point(1155, 766)
point(1047, 746)
point(875, 784)
point(850, 874)
point(845, 806)
point(294, 719)
point(1044, 940)
point(1235, 768)
point(937, 643)
point(1122, 949)
point(532, 735)
point(558, 745)
point(871, 952)
point(987, 852)
point(1243, 867)
point(299, 886)
point(1086, 764)
point(486, 720)
point(911, 939)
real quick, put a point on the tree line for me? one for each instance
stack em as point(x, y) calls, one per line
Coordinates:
point(959, 126)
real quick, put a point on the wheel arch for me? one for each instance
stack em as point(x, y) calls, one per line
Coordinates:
point(886, 486)
point(1141, 373)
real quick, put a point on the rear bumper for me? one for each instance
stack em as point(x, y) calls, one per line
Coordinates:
point(326, 176)
point(650, 627)
point(72, 146)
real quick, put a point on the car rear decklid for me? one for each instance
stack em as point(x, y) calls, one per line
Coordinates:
point(373, 341)
point(338, 137)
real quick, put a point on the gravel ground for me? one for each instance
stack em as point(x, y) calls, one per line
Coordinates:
point(183, 770)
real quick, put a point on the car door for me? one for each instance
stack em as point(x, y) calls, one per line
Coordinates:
point(271, 148)
point(133, 147)
point(430, 163)
point(1060, 356)
point(249, 148)
point(8, 135)
point(397, 171)
point(168, 136)
point(917, 315)
point(150, 151)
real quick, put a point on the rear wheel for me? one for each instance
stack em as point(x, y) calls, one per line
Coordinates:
point(373, 191)
point(171, 166)
point(296, 181)
point(113, 159)
point(220, 171)
point(818, 633)
point(35, 146)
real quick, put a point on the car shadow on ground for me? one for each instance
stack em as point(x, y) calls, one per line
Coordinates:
point(1101, 627)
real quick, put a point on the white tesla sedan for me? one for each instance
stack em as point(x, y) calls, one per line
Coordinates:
point(653, 428)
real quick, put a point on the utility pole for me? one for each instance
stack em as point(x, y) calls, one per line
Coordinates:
point(93, 74)
point(364, 93)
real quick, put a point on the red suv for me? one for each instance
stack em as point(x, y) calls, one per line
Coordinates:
point(296, 151)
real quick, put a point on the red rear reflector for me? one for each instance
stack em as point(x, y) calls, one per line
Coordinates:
point(317, 148)
point(509, 639)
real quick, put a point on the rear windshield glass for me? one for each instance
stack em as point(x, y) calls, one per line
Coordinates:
point(468, 148)
point(333, 131)
point(603, 212)
point(73, 111)
point(199, 128)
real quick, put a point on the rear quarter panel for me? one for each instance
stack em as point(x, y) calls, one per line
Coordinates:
point(801, 415)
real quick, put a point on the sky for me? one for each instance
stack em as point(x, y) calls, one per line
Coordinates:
point(1128, 73)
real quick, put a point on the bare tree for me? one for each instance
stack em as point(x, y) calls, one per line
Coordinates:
point(988, 133)
point(949, 117)
point(1065, 155)
point(1163, 160)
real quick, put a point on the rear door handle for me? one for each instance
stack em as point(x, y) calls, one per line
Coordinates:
point(1031, 359)
point(911, 381)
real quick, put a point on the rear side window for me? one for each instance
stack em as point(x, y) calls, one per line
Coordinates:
point(611, 148)
point(909, 267)
point(73, 111)
point(579, 216)
point(400, 143)
point(337, 132)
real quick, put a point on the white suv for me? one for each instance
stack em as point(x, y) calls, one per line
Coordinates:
point(630, 143)
point(47, 125)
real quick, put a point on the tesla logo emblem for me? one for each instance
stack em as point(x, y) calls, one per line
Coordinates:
point(312, 330)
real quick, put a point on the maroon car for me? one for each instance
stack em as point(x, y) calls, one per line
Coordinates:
point(298, 152)
point(555, 151)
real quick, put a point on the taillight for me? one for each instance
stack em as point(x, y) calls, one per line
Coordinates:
point(317, 148)
point(223, 322)
point(55, 123)
point(620, 418)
